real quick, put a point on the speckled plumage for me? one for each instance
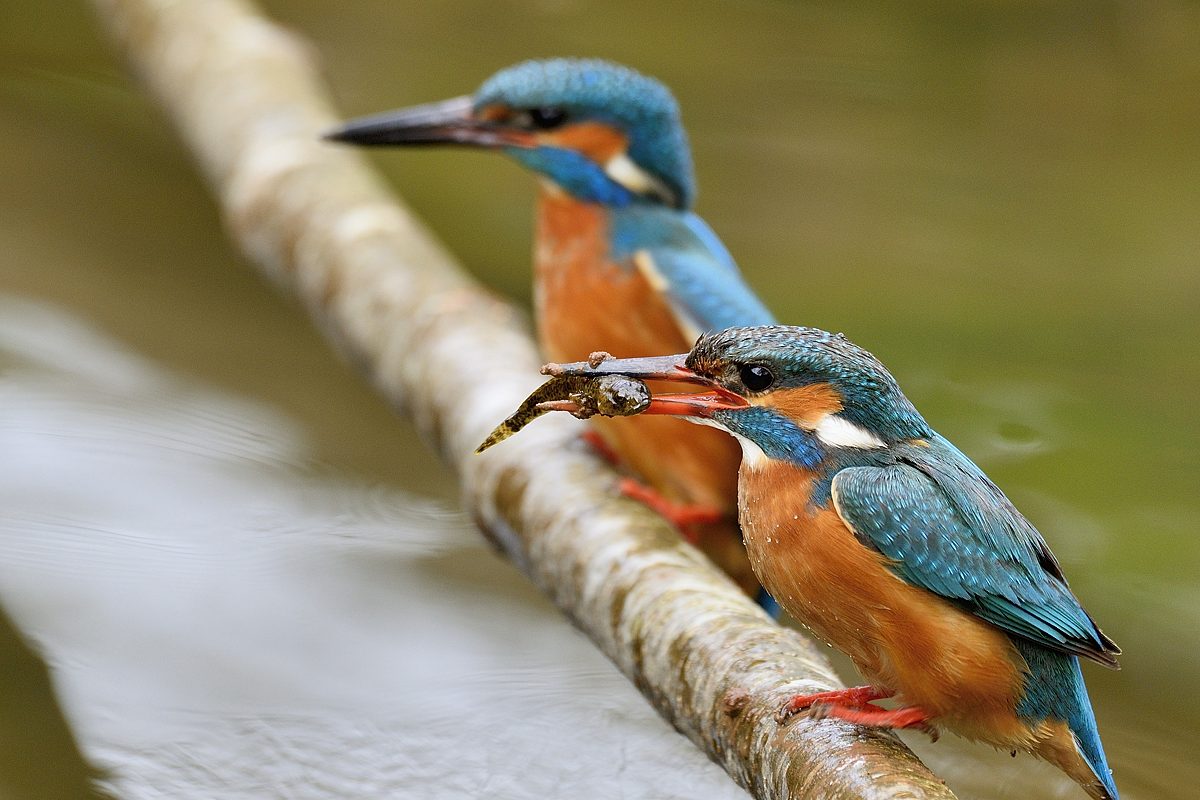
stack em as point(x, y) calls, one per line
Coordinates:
point(872, 397)
point(906, 505)
point(972, 544)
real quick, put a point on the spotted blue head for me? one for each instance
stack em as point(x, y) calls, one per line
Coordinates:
point(787, 393)
point(600, 131)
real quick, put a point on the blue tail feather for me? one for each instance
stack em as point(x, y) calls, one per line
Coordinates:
point(769, 604)
point(1055, 690)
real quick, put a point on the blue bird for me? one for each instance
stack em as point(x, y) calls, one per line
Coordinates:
point(619, 256)
point(892, 546)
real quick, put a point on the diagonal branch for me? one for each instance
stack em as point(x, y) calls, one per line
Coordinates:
point(243, 93)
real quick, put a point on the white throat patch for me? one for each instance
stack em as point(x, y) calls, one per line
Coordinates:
point(837, 431)
point(832, 430)
point(712, 423)
point(753, 456)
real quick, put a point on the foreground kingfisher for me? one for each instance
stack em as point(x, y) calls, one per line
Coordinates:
point(619, 257)
point(892, 546)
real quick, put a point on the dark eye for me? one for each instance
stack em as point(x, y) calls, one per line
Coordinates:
point(756, 377)
point(547, 117)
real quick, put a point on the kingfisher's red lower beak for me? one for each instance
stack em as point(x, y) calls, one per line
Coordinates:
point(668, 369)
point(445, 122)
point(697, 404)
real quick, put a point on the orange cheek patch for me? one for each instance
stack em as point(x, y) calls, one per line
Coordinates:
point(597, 141)
point(494, 113)
point(805, 405)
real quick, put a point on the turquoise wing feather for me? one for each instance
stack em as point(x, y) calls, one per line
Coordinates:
point(684, 260)
point(947, 528)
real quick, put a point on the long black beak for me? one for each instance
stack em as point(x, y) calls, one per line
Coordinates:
point(671, 369)
point(445, 122)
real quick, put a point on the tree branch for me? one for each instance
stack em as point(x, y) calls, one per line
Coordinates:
point(243, 93)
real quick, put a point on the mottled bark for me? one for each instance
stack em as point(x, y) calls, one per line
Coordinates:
point(244, 95)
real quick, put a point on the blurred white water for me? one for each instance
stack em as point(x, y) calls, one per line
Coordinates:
point(224, 618)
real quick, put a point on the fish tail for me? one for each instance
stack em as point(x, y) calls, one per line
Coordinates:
point(502, 432)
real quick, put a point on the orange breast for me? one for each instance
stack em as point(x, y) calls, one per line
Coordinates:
point(900, 636)
point(585, 302)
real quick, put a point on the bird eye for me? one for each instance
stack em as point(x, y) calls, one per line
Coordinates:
point(546, 117)
point(756, 377)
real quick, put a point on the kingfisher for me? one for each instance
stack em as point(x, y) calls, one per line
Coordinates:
point(619, 256)
point(888, 543)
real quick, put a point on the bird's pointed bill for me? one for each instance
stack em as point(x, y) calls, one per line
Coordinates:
point(445, 122)
point(671, 369)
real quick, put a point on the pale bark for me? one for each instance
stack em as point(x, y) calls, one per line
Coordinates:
point(244, 95)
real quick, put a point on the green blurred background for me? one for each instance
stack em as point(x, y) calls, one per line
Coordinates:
point(999, 199)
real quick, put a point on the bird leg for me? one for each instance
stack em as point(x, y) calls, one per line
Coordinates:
point(856, 697)
point(684, 517)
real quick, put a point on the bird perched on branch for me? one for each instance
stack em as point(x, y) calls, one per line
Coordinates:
point(619, 257)
point(892, 546)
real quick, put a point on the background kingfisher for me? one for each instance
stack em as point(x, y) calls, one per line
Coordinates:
point(619, 258)
point(892, 546)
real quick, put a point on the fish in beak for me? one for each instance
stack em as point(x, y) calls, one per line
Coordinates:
point(668, 369)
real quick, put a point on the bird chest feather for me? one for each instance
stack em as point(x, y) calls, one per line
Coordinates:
point(585, 299)
point(900, 636)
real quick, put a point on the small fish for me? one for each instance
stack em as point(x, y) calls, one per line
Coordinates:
point(582, 396)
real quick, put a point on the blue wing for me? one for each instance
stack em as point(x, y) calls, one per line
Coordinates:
point(684, 260)
point(949, 529)
point(703, 296)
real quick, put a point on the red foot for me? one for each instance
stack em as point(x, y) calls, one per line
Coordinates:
point(854, 705)
point(602, 448)
point(856, 697)
point(683, 517)
point(873, 717)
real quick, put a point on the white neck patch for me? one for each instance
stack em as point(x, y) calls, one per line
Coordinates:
point(622, 169)
point(753, 456)
point(837, 431)
point(832, 430)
